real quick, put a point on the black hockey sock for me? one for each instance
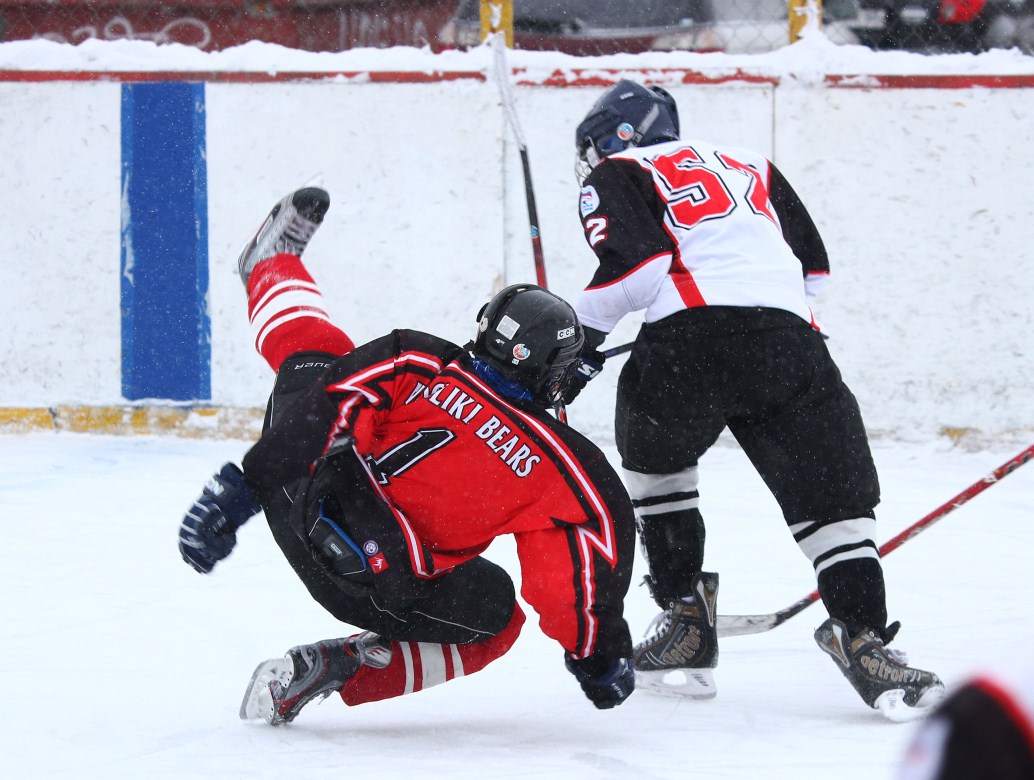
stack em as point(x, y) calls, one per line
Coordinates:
point(673, 543)
point(854, 593)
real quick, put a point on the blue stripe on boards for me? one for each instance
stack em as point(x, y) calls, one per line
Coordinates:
point(166, 332)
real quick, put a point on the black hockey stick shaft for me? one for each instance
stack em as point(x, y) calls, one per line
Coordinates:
point(506, 93)
point(502, 75)
point(740, 625)
point(533, 220)
point(609, 353)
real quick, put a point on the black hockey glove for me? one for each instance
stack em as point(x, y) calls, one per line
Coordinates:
point(606, 682)
point(590, 363)
point(208, 532)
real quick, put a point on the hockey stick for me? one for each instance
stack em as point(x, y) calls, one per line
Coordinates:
point(609, 353)
point(740, 625)
point(502, 76)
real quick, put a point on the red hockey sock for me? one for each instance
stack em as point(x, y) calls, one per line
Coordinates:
point(418, 665)
point(287, 314)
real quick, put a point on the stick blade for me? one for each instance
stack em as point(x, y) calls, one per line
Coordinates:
point(742, 625)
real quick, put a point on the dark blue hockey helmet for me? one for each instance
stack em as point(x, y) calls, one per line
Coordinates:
point(627, 114)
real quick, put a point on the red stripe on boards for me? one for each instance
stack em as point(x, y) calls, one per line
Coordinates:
point(578, 77)
point(241, 77)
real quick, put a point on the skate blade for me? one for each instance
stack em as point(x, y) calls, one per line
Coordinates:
point(891, 704)
point(257, 703)
point(684, 683)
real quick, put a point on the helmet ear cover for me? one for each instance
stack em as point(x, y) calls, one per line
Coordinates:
point(665, 97)
point(531, 337)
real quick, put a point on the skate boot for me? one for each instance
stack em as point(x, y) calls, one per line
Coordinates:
point(279, 688)
point(679, 656)
point(881, 676)
point(287, 230)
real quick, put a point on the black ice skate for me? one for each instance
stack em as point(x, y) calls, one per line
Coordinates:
point(288, 228)
point(279, 688)
point(881, 676)
point(679, 657)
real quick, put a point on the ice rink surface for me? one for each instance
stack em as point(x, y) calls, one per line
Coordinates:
point(122, 662)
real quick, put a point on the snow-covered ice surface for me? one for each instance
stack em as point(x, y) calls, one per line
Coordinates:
point(121, 662)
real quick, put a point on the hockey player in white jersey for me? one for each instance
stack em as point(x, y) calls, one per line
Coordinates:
point(713, 243)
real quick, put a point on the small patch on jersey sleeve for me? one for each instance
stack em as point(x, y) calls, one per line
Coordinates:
point(589, 201)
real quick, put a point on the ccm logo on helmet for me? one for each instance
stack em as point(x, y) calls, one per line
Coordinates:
point(566, 333)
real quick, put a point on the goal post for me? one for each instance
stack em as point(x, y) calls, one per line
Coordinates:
point(800, 12)
point(497, 16)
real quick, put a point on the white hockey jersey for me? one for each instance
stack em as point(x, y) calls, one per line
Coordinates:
point(685, 224)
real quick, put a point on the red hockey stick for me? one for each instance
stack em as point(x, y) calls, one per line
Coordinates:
point(739, 625)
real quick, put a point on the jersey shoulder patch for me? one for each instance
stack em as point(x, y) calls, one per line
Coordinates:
point(589, 200)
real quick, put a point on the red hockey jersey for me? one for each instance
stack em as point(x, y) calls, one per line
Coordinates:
point(460, 465)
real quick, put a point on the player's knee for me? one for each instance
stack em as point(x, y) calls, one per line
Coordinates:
point(300, 370)
point(512, 630)
point(295, 374)
point(502, 611)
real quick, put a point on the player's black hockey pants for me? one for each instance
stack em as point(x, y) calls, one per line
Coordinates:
point(767, 376)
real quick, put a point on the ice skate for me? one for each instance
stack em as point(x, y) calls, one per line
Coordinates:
point(679, 656)
point(881, 676)
point(280, 687)
point(288, 229)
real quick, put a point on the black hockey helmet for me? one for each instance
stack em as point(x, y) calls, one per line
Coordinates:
point(531, 337)
point(627, 114)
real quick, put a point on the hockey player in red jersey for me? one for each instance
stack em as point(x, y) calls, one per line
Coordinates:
point(984, 729)
point(716, 247)
point(385, 470)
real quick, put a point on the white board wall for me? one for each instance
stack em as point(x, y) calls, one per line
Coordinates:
point(924, 197)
